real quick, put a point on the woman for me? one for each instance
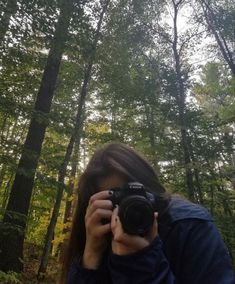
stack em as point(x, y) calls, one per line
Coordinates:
point(181, 246)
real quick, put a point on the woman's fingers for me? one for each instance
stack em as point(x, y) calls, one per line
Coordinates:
point(154, 229)
point(116, 226)
point(98, 204)
point(115, 221)
point(99, 201)
point(103, 229)
point(98, 214)
point(101, 195)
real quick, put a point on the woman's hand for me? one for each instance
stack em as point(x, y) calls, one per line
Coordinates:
point(99, 209)
point(123, 243)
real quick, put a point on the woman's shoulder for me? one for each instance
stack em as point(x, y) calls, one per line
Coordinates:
point(181, 209)
point(181, 215)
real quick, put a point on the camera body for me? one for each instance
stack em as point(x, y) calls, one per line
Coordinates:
point(136, 208)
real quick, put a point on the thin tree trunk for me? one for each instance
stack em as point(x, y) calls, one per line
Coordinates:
point(69, 202)
point(68, 205)
point(180, 100)
point(210, 18)
point(63, 167)
point(11, 240)
point(196, 173)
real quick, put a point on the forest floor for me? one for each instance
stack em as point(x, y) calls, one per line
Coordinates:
point(31, 265)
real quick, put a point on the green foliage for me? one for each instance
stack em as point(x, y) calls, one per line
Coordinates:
point(9, 277)
point(37, 227)
point(226, 227)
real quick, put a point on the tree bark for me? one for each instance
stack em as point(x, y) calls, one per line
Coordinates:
point(14, 221)
point(63, 167)
point(68, 205)
point(68, 212)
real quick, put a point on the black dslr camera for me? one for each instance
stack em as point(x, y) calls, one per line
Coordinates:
point(136, 208)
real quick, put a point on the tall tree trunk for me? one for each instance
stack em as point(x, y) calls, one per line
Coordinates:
point(68, 212)
point(180, 100)
point(63, 167)
point(68, 205)
point(10, 10)
point(14, 222)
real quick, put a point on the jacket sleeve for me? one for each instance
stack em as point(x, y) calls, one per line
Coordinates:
point(148, 266)
point(79, 275)
point(204, 257)
point(200, 256)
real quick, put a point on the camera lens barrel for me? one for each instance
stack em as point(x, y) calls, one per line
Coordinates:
point(136, 208)
point(136, 215)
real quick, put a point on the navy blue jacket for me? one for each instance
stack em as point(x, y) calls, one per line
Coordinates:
point(188, 250)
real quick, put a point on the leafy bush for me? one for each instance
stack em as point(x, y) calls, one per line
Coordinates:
point(9, 278)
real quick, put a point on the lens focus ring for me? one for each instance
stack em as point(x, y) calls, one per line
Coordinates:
point(136, 215)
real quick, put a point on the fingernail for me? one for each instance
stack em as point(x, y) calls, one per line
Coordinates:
point(115, 206)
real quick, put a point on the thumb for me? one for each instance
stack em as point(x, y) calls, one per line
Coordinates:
point(153, 232)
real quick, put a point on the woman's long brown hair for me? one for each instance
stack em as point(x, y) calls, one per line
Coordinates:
point(111, 158)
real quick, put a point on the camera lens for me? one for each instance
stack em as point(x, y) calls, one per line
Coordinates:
point(136, 215)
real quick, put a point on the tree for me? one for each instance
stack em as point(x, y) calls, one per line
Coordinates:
point(219, 18)
point(15, 217)
point(212, 137)
point(179, 44)
point(75, 137)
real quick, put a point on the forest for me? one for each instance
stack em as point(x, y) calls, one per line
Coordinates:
point(75, 74)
